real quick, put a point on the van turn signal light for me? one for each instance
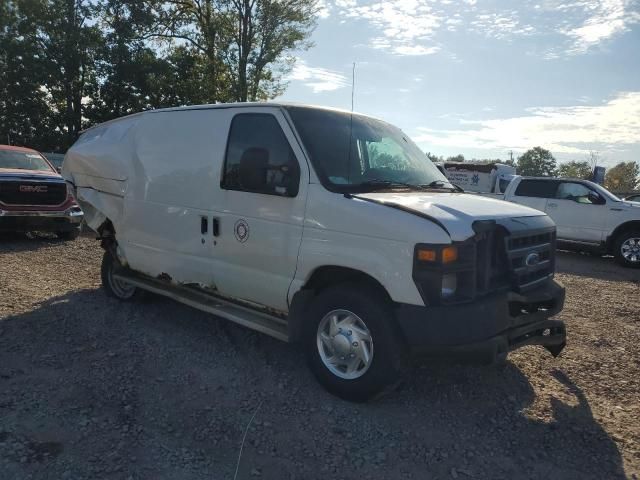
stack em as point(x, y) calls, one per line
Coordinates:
point(449, 254)
point(425, 255)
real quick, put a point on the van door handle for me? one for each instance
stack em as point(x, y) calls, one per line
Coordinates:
point(216, 227)
point(552, 205)
point(204, 225)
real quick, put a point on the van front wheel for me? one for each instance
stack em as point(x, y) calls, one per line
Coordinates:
point(351, 343)
point(114, 287)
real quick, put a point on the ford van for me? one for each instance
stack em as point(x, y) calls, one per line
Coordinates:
point(317, 226)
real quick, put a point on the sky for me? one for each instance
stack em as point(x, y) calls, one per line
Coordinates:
point(484, 77)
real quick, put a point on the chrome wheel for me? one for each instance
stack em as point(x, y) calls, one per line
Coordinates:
point(345, 344)
point(630, 249)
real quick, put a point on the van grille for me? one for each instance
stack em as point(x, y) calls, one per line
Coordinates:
point(531, 258)
point(32, 193)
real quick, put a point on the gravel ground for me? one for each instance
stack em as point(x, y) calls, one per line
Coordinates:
point(93, 388)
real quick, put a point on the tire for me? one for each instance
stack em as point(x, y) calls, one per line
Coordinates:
point(69, 234)
point(115, 288)
point(360, 310)
point(626, 249)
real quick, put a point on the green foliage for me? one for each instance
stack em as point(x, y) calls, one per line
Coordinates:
point(537, 162)
point(624, 177)
point(68, 64)
point(457, 158)
point(574, 169)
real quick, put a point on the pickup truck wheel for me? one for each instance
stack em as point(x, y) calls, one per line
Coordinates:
point(69, 234)
point(626, 249)
point(113, 287)
point(351, 345)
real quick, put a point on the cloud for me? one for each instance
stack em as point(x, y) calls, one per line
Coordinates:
point(605, 19)
point(406, 27)
point(318, 79)
point(414, 27)
point(572, 130)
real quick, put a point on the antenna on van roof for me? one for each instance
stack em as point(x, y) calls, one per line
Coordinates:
point(353, 84)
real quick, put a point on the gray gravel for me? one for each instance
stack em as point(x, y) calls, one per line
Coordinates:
point(93, 388)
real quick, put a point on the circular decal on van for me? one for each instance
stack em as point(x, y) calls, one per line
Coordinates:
point(241, 230)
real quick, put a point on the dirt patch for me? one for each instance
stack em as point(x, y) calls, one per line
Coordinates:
point(94, 388)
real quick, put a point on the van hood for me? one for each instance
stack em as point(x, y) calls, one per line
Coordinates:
point(455, 212)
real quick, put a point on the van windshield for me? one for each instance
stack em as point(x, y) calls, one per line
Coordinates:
point(354, 153)
point(23, 160)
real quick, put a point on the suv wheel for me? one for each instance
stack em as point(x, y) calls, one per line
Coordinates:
point(626, 249)
point(351, 343)
point(114, 287)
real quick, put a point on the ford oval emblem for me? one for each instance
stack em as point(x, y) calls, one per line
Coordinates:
point(532, 259)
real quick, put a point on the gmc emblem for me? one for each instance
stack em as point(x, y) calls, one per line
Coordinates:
point(33, 188)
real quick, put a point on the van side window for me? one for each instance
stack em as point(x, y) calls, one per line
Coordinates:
point(537, 188)
point(259, 158)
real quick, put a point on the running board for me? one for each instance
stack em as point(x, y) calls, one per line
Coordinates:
point(247, 317)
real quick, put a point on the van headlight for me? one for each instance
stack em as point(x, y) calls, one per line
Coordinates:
point(445, 273)
point(449, 285)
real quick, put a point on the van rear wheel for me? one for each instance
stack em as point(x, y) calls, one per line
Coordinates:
point(114, 287)
point(351, 343)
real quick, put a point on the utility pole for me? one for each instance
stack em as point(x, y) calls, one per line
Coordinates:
point(511, 155)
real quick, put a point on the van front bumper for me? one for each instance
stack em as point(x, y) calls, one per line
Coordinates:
point(46, 221)
point(488, 327)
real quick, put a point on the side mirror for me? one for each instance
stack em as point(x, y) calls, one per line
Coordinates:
point(596, 199)
point(286, 178)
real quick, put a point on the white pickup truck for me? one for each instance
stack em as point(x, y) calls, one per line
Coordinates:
point(587, 216)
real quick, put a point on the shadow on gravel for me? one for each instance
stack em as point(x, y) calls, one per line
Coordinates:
point(94, 388)
point(594, 266)
point(20, 242)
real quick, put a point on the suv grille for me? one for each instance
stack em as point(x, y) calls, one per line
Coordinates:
point(531, 258)
point(32, 193)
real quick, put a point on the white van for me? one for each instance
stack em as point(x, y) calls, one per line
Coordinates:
point(319, 226)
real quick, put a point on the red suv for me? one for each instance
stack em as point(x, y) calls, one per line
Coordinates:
point(33, 196)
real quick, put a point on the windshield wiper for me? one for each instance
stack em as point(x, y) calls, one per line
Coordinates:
point(440, 185)
point(379, 183)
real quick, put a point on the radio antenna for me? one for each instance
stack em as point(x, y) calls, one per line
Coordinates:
point(353, 84)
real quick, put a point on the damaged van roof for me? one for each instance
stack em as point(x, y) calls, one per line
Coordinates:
point(211, 106)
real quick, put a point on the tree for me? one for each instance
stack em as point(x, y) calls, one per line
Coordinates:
point(24, 111)
point(574, 169)
point(70, 40)
point(457, 158)
point(624, 177)
point(259, 34)
point(537, 162)
point(245, 43)
point(433, 157)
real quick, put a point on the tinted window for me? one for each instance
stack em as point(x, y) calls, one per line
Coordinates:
point(259, 158)
point(537, 188)
point(576, 192)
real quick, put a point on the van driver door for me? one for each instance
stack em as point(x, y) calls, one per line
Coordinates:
point(259, 208)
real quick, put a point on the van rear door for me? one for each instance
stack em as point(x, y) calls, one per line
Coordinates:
point(259, 208)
